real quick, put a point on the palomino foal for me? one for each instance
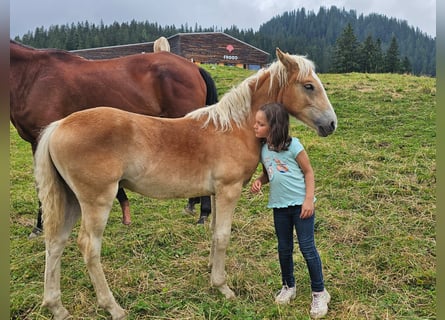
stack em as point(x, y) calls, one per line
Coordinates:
point(79, 165)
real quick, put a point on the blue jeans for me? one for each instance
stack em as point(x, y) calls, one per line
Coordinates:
point(285, 219)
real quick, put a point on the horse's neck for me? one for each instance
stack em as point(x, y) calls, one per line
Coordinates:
point(262, 93)
point(17, 72)
point(23, 70)
point(18, 54)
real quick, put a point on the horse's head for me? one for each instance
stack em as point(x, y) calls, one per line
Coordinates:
point(303, 94)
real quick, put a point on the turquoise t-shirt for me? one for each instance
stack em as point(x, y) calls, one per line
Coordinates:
point(287, 186)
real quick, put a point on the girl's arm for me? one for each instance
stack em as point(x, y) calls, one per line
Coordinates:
point(308, 207)
point(258, 183)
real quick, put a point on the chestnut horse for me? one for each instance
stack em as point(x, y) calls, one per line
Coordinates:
point(47, 85)
point(151, 156)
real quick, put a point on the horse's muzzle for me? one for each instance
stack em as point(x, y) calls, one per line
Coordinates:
point(326, 130)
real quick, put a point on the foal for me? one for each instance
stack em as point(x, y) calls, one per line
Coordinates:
point(80, 166)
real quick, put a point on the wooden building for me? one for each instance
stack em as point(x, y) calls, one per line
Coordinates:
point(201, 47)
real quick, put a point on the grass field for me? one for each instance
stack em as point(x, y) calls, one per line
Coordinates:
point(375, 229)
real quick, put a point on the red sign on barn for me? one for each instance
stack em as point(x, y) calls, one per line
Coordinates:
point(230, 48)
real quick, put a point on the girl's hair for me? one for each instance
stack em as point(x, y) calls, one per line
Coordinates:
point(278, 120)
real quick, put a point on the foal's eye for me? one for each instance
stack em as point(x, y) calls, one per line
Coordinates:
point(309, 86)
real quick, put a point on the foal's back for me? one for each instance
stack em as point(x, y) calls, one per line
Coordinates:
point(157, 157)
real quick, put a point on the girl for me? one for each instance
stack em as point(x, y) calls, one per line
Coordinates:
point(287, 168)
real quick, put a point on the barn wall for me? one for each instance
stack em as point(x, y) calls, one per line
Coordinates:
point(207, 47)
point(217, 48)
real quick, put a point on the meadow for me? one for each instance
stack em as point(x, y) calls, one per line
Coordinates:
point(375, 224)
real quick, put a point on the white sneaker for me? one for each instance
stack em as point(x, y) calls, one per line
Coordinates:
point(319, 306)
point(285, 295)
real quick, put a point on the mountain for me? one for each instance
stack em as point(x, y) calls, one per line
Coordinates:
point(299, 31)
point(315, 34)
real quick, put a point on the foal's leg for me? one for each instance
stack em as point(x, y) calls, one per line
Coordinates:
point(54, 249)
point(94, 220)
point(226, 201)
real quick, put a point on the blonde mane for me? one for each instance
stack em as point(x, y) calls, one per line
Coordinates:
point(235, 105)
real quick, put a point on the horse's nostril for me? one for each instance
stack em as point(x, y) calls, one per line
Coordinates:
point(333, 125)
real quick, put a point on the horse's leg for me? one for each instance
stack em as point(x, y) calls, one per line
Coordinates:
point(125, 206)
point(38, 229)
point(205, 209)
point(212, 227)
point(206, 206)
point(94, 220)
point(226, 200)
point(54, 249)
point(190, 207)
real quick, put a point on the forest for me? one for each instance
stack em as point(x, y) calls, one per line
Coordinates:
point(337, 40)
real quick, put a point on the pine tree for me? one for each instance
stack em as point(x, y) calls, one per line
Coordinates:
point(392, 60)
point(346, 51)
point(379, 58)
point(406, 65)
point(367, 55)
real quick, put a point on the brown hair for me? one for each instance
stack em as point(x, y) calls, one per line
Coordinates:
point(278, 120)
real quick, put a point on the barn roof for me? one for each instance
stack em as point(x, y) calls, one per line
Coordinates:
point(212, 34)
point(206, 47)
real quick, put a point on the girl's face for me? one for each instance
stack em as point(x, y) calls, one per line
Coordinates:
point(261, 125)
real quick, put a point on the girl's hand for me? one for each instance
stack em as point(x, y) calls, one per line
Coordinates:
point(307, 209)
point(256, 186)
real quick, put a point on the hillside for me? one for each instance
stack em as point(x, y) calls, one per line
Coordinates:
point(315, 34)
point(375, 229)
point(298, 31)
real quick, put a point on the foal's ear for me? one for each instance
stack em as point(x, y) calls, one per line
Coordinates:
point(280, 54)
point(286, 60)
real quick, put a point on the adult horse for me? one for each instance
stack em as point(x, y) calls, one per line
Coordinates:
point(47, 85)
point(151, 156)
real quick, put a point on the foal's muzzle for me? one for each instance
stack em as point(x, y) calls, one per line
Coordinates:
point(325, 130)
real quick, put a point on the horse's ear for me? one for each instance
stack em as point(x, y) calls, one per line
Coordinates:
point(280, 54)
point(285, 60)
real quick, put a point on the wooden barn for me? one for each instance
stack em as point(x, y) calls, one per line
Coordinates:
point(201, 47)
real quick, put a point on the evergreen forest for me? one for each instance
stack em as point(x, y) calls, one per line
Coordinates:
point(337, 40)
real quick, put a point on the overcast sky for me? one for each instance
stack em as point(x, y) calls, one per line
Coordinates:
point(26, 15)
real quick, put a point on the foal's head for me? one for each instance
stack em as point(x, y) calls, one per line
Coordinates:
point(303, 94)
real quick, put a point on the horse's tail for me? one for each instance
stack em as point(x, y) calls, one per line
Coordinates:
point(161, 44)
point(50, 185)
point(212, 93)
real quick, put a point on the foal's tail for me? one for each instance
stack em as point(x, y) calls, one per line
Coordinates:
point(212, 93)
point(50, 185)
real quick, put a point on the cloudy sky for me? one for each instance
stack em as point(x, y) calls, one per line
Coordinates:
point(26, 15)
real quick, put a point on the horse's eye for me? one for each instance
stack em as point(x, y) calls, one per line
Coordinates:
point(309, 87)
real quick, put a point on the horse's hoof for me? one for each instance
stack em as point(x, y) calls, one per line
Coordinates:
point(202, 220)
point(227, 292)
point(119, 314)
point(36, 232)
point(189, 209)
point(230, 295)
point(59, 313)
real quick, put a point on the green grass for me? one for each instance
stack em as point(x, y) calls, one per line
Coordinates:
point(375, 229)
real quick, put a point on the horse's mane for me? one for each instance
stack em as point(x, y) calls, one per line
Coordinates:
point(235, 105)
